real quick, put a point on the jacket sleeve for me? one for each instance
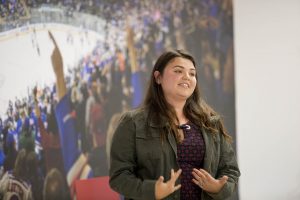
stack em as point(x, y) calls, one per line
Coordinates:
point(227, 166)
point(123, 164)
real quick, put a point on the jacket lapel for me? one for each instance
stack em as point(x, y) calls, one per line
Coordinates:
point(163, 125)
point(172, 142)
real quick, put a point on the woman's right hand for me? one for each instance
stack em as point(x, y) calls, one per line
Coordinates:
point(164, 189)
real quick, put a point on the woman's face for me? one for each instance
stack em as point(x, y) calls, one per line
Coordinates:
point(178, 79)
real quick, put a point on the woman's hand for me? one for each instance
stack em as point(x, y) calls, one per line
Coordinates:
point(164, 189)
point(208, 183)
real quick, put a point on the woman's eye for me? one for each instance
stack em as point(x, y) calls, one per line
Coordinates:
point(192, 74)
point(177, 71)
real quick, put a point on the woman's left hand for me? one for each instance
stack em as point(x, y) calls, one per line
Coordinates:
point(208, 183)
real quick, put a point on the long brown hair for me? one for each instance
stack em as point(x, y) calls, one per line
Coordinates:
point(195, 109)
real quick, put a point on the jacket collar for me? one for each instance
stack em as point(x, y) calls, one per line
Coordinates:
point(154, 121)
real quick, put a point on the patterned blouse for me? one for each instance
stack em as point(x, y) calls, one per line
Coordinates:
point(190, 154)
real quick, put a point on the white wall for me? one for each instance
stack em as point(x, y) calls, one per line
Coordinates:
point(267, 63)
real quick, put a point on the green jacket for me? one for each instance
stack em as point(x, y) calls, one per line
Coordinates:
point(139, 156)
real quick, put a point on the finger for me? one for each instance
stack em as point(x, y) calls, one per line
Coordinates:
point(52, 38)
point(177, 187)
point(205, 173)
point(177, 174)
point(198, 172)
point(198, 175)
point(195, 181)
point(161, 179)
point(224, 179)
point(174, 177)
point(172, 172)
point(199, 183)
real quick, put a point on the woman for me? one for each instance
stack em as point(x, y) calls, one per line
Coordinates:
point(175, 145)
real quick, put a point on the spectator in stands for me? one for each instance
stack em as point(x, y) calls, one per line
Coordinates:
point(27, 137)
point(10, 151)
point(34, 176)
point(13, 185)
point(55, 186)
point(50, 141)
point(75, 161)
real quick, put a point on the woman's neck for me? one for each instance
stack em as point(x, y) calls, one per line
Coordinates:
point(178, 107)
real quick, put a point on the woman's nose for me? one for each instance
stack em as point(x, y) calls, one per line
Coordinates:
point(186, 76)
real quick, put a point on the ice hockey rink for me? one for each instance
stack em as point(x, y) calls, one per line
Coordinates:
point(26, 56)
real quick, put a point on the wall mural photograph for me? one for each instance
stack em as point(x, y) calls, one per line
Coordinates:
point(57, 120)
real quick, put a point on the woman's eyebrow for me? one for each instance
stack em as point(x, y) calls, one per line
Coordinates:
point(181, 67)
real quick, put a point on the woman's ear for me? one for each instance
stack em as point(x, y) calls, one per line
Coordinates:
point(157, 77)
